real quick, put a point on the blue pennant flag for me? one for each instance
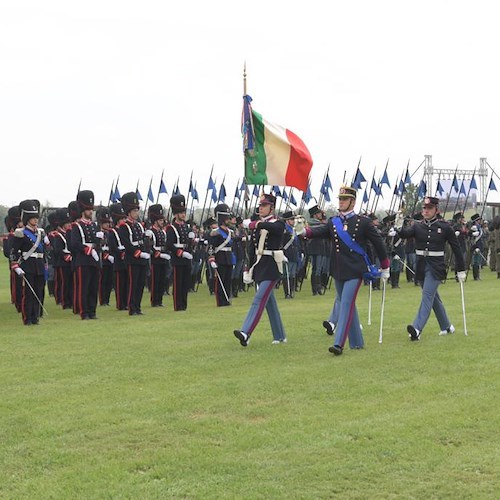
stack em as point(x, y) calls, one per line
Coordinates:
point(462, 189)
point(116, 195)
point(376, 188)
point(276, 191)
point(327, 184)
point(292, 199)
point(365, 197)
point(492, 186)
point(222, 193)
point(385, 179)
point(422, 189)
point(256, 190)
point(163, 188)
point(177, 191)
point(454, 183)
point(439, 189)
point(358, 179)
point(237, 193)
point(139, 197)
point(211, 184)
point(111, 195)
point(407, 178)
point(243, 186)
point(326, 195)
point(307, 194)
point(284, 196)
point(214, 195)
point(195, 195)
point(473, 184)
point(150, 195)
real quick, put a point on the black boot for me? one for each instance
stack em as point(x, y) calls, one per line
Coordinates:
point(475, 273)
point(292, 287)
point(235, 286)
point(395, 279)
point(286, 288)
point(409, 275)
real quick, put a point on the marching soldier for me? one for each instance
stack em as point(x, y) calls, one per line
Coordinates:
point(292, 249)
point(350, 233)
point(178, 245)
point(221, 258)
point(117, 254)
point(137, 257)
point(62, 260)
point(267, 270)
point(239, 243)
point(28, 261)
point(12, 222)
point(103, 217)
point(317, 251)
point(431, 235)
point(85, 242)
point(160, 257)
point(476, 246)
point(210, 224)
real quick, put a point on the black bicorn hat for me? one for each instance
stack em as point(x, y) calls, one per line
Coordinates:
point(222, 212)
point(178, 204)
point(29, 209)
point(130, 202)
point(314, 210)
point(430, 201)
point(117, 212)
point(267, 199)
point(103, 215)
point(156, 212)
point(73, 210)
point(288, 215)
point(458, 216)
point(475, 217)
point(85, 200)
point(388, 219)
point(209, 222)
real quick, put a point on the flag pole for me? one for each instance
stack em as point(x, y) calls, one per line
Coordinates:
point(147, 197)
point(161, 180)
point(206, 195)
point(111, 193)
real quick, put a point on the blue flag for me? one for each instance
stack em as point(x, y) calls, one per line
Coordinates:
point(116, 195)
point(307, 194)
point(139, 197)
point(422, 189)
point(214, 195)
point(256, 190)
point(365, 197)
point(284, 196)
point(462, 189)
point(385, 179)
point(473, 184)
point(358, 179)
point(407, 178)
point(276, 191)
point(237, 193)
point(439, 189)
point(150, 195)
point(492, 186)
point(163, 188)
point(222, 193)
point(211, 184)
point(292, 199)
point(454, 183)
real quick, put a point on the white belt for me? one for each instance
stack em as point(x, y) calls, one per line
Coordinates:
point(135, 243)
point(267, 252)
point(90, 245)
point(179, 245)
point(225, 249)
point(105, 248)
point(158, 249)
point(35, 255)
point(429, 253)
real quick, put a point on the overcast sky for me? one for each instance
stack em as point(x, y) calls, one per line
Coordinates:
point(98, 89)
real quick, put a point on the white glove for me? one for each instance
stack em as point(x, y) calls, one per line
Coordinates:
point(95, 255)
point(100, 235)
point(46, 240)
point(285, 258)
point(397, 257)
point(187, 255)
point(145, 255)
point(457, 233)
point(148, 233)
point(111, 259)
point(299, 226)
point(190, 235)
point(213, 264)
point(165, 256)
point(385, 273)
point(19, 271)
point(392, 232)
point(461, 275)
point(196, 240)
point(205, 242)
point(246, 223)
point(473, 228)
point(477, 250)
point(475, 234)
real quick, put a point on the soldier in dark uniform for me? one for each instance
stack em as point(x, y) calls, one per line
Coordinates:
point(85, 242)
point(292, 248)
point(137, 257)
point(210, 224)
point(239, 242)
point(62, 260)
point(316, 250)
point(267, 270)
point(27, 256)
point(13, 222)
point(431, 235)
point(73, 210)
point(160, 257)
point(117, 253)
point(221, 258)
point(103, 222)
point(179, 246)
point(348, 266)
point(476, 245)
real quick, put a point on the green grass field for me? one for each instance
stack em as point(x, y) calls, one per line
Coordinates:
point(170, 405)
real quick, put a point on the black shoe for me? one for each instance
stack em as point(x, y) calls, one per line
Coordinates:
point(329, 327)
point(242, 337)
point(132, 313)
point(335, 349)
point(85, 316)
point(414, 333)
point(92, 316)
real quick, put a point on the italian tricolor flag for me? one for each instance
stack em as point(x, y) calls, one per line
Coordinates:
point(278, 157)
